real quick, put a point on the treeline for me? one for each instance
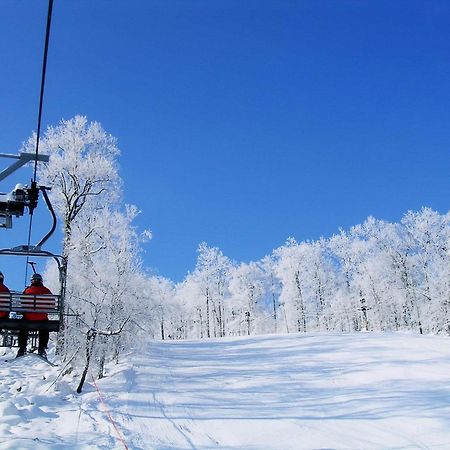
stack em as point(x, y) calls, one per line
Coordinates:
point(375, 276)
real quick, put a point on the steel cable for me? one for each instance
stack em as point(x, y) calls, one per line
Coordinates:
point(38, 133)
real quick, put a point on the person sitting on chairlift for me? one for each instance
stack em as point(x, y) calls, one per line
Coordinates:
point(3, 288)
point(37, 287)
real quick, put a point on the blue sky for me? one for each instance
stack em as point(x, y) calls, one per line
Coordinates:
point(242, 123)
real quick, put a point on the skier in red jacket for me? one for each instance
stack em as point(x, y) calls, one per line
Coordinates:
point(4, 302)
point(37, 287)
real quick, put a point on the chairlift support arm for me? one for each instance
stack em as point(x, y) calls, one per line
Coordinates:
point(22, 159)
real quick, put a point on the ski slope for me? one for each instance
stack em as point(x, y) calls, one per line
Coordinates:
point(309, 391)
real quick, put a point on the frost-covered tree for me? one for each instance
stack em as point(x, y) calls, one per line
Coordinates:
point(246, 292)
point(162, 291)
point(82, 170)
point(210, 277)
point(427, 234)
point(392, 241)
point(189, 298)
point(272, 290)
point(292, 267)
point(105, 279)
point(106, 288)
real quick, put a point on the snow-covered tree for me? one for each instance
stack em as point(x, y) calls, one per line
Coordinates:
point(246, 292)
point(272, 291)
point(210, 276)
point(105, 278)
point(82, 170)
point(162, 291)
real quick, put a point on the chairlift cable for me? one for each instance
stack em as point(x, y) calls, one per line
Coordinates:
point(41, 102)
point(44, 70)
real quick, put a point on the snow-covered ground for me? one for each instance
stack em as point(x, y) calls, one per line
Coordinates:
point(311, 391)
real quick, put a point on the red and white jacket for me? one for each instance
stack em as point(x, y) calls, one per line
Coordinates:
point(36, 289)
point(4, 314)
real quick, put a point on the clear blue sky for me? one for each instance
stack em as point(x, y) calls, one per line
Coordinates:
point(242, 123)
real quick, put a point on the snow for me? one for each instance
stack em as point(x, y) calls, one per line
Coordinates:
point(298, 391)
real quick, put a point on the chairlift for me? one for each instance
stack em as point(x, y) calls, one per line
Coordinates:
point(13, 204)
point(15, 304)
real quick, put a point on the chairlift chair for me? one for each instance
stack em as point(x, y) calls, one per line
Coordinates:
point(15, 304)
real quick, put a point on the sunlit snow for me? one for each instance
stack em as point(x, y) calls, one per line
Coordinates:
point(308, 391)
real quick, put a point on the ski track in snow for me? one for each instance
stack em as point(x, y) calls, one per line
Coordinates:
point(309, 391)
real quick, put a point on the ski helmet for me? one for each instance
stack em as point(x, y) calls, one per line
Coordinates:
point(36, 278)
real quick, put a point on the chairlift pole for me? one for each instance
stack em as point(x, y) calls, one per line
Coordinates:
point(32, 264)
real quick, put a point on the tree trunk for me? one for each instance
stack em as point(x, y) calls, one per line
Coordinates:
point(208, 331)
point(301, 318)
point(162, 329)
point(90, 339)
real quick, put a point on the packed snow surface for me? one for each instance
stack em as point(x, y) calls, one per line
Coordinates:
point(308, 391)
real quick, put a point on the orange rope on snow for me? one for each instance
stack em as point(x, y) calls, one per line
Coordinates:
point(119, 434)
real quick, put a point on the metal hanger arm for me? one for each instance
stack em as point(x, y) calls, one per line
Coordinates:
point(22, 159)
